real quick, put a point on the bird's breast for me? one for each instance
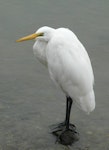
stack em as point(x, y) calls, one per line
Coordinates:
point(39, 50)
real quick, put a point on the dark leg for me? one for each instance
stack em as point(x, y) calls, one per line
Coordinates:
point(60, 126)
point(68, 110)
point(66, 132)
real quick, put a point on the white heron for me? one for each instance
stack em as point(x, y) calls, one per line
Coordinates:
point(69, 67)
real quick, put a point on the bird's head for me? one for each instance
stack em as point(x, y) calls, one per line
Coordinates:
point(43, 33)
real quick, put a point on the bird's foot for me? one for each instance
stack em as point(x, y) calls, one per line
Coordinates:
point(65, 136)
point(57, 128)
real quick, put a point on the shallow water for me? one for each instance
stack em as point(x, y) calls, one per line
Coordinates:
point(29, 102)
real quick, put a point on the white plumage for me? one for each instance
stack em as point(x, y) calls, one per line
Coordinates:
point(68, 64)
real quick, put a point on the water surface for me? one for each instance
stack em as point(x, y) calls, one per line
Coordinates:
point(29, 102)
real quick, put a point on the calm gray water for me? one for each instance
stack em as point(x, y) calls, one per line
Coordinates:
point(29, 102)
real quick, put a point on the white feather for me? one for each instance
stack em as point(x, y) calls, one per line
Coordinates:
point(68, 64)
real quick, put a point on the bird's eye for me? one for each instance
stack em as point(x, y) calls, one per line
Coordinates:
point(41, 34)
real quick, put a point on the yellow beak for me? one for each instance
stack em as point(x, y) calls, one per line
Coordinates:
point(29, 37)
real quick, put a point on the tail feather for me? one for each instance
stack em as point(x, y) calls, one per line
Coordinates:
point(87, 102)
